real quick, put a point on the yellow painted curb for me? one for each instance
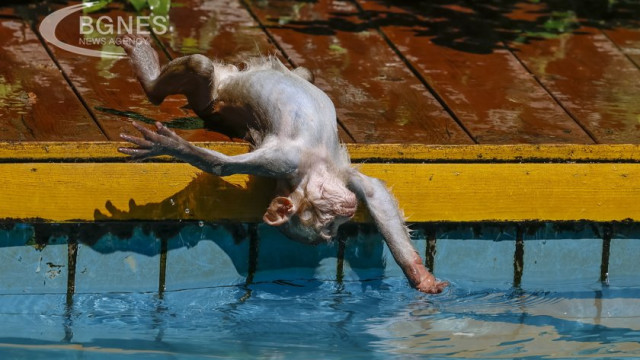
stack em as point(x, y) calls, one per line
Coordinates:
point(94, 191)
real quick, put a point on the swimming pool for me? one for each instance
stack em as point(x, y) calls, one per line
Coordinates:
point(220, 291)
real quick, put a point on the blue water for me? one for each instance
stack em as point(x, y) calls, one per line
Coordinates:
point(379, 319)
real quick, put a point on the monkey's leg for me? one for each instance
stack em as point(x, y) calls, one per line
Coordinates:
point(191, 75)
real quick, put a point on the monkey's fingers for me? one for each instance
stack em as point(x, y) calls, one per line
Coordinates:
point(148, 134)
point(158, 140)
point(435, 287)
point(136, 153)
point(163, 130)
point(440, 285)
point(137, 141)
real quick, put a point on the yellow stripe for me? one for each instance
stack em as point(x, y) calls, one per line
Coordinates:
point(426, 192)
point(499, 153)
point(98, 151)
point(514, 192)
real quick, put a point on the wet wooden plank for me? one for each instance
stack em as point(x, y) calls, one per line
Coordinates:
point(621, 24)
point(588, 74)
point(377, 98)
point(220, 29)
point(494, 97)
point(110, 89)
point(8, 11)
point(36, 103)
point(628, 40)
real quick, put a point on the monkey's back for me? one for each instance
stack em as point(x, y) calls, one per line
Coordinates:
point(282, 103)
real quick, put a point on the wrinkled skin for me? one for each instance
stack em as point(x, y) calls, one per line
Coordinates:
point(292, 126)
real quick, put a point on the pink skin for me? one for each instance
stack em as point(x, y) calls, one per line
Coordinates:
point(292, 126)
point(425, 281)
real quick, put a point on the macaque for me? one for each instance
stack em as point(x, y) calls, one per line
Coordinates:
point(292, 127)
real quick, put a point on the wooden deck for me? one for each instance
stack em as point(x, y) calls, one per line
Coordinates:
point(517, 110)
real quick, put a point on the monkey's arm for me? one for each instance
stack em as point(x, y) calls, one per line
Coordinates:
point(270, 161)
point(384, 210)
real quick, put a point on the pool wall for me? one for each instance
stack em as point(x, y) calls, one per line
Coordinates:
point(155, 257)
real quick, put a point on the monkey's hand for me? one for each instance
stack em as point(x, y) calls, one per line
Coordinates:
point(430, 285)
point(161, 142)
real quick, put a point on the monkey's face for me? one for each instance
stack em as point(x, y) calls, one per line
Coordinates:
point(312, 215)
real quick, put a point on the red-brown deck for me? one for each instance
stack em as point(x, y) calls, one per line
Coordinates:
point(438, 72)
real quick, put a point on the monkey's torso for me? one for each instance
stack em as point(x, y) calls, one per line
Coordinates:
point(267, 100)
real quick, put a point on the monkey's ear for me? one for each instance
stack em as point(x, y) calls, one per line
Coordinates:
point(279, 211)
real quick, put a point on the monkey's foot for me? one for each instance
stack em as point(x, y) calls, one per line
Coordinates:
point(161, 142)
point(143, 57)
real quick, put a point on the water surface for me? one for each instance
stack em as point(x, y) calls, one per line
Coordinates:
point(378, 319)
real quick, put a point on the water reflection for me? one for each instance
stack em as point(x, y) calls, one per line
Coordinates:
point(317, 319)
point(517, 324)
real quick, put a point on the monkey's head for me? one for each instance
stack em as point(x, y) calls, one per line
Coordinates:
point(313, 213)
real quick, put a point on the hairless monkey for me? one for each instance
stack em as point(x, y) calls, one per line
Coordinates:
point(292, 127)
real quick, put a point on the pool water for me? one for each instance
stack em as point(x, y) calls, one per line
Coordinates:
point(198, 291)
point(309, 319)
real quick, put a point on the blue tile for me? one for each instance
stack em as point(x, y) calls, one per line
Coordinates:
point(115, 264)
point(555, 257)
point(204, 256)
point(26, 268)
point(624, 256)
point(471, 258)
point(280, 258)
point(367, 256)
